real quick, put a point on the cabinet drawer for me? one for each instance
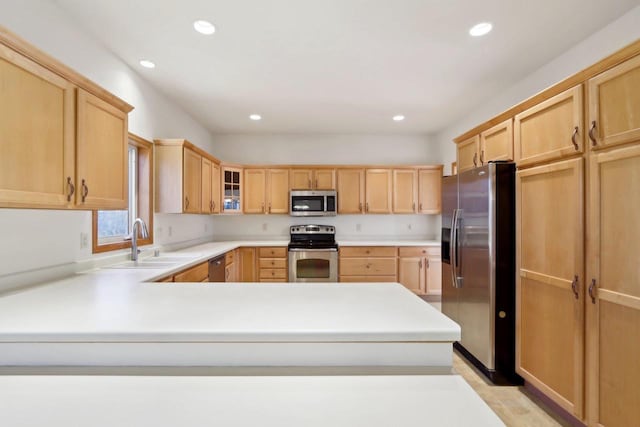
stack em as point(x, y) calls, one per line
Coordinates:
point(273, 263)
point(194, 274)
point(364, 279)
point(368, 251)
point(368, 266)
point(273, 280)
point(419, 251)
point(272, 252)
point(229, 257)
point(165, 279)
point(273, 273)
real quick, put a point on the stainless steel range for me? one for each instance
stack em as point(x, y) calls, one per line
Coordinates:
point(313, 253)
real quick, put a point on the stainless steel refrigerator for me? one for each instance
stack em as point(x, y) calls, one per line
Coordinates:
point(478, 266)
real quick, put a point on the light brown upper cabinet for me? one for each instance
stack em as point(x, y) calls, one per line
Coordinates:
point(101, 154)
point(496, 143)
point(215, 188)
point(312, 179)
point(550, 281)
point(350, 191)
point(379, 185)
point(208, 200)
point(467, 154)
point(266, 191)
point(405, 190)
point(233, 189)
point(63, 144)
point(553, 129)
point(187, 179)
point(430, 190)
point(613, 287)
point(614, 105)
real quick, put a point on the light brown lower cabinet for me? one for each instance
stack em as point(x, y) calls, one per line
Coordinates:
point(198, 273)
point(613, 292)
point(231, 266)
point(272, 264)
point(550, 281)
point(420, 270)
point(368, 264)
point(247, 267)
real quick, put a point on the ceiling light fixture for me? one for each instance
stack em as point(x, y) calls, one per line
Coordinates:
point(204, 27)
point(398, 118)
point(255, 117)
point(147, 64)
point(480, 29)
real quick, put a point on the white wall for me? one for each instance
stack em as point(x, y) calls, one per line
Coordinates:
point(609, 39)
point(32, 239)
point(327, 149)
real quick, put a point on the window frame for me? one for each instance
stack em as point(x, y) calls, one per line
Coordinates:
point(144, 202)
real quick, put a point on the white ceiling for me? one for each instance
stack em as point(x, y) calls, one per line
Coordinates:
point(338, 66)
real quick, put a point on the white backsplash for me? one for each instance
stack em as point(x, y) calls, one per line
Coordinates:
point(356, 227)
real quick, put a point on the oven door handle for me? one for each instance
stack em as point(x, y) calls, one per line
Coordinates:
point(313, 250)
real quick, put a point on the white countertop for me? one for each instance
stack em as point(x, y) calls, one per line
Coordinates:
point(336, 401)
point(110, 307)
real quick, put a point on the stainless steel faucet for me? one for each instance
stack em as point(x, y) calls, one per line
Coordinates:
point(134, 237)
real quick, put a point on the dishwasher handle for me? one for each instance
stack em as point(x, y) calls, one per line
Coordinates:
point(217, 269)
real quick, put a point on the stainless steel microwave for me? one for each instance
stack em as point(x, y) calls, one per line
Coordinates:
point(313, 203)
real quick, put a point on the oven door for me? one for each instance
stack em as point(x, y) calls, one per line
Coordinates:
point(313, 265)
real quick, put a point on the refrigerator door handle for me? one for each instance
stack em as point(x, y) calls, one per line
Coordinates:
point(453, 248)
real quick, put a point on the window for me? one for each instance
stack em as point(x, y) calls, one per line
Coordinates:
point(112, 228)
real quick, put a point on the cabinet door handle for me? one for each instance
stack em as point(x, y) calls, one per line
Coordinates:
point(482, 158)
point(420, 264)
point(210, 205)
point(592, 135)
point(316, 183)
point(262, 207)
point(214, 205)
point(420, 207)
point(592, 290)
point(367, 207)
point(426, 261)
point(71, 187)
point(475, 159)
point(85, 190)
point(309, 183)
point(414, 206)
point(573, 138)
point(269, 207)
point(360, 207)
point(186, 202)
point(574, 286)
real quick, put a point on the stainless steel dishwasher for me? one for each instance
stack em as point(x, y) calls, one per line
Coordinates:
point(216, 269)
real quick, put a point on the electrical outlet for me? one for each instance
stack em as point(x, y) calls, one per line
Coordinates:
point(409, 226)
point(170, 231)
point(159, 231)
point(358, 227)
point(206, 228)
point(264, 226)
point(84, 240)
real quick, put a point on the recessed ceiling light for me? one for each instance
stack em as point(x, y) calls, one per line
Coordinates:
point(255, 117)
point(480, 29)
point(398, 118)
point(147, 64)
point(204, 27)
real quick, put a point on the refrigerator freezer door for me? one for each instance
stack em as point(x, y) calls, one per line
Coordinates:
point(475, 293)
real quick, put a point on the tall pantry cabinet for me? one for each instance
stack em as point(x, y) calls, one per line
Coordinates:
point(613, 249)
point(577, 150)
